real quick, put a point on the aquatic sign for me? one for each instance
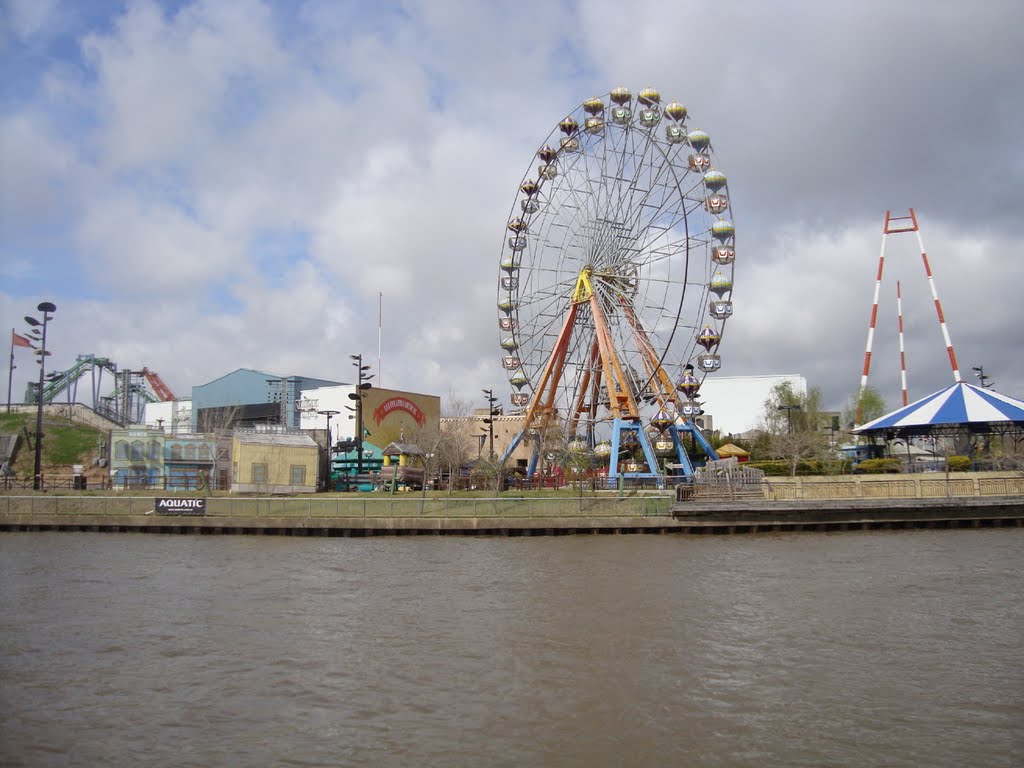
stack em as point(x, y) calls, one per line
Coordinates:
point(178, 506)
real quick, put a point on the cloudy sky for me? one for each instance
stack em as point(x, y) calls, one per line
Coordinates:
point(206, 185)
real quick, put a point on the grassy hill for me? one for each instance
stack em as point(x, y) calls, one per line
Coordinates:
point(64, 443)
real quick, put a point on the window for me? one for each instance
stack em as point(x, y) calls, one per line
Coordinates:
point(298, 474)
point(138, 451)
point(190, 452)
point(176, 452)
point(121, 450)
point(153, 450)
point(259, 474)
point(204, 452)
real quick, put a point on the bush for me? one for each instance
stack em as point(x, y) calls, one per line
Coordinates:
point(770, 468)
point(779, 468)
point(959, 463)
point(879, 467)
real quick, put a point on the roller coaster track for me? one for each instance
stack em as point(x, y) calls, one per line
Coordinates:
point(129, 389)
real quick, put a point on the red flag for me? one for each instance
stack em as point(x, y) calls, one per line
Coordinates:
point(18, 340)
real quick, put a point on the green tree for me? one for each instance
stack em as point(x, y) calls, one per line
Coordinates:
point(863, 406)
point(792, 423)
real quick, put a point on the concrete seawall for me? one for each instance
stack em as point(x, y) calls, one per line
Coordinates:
point(690, 518)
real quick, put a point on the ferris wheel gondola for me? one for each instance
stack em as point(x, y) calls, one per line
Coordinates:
point(616, 277)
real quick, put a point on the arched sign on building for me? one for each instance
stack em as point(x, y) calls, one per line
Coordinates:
point(399, 404)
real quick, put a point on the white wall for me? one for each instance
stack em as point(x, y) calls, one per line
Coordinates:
point(736, 403)
point(329, 399)
point(176, 415)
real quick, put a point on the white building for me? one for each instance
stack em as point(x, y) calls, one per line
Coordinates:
point(315, 404)
point(173, 416)
point(736, 403)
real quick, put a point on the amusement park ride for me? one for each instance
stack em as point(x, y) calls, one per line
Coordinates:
point(125, 405)
point(895, 225)
point(614, 247)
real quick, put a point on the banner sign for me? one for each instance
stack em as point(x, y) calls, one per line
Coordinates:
point(399, 404)
point(177, 506)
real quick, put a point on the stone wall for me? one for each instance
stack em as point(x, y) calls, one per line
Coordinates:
point(922, 485)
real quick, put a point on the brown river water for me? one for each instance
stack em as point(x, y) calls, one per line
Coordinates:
point(847, 649)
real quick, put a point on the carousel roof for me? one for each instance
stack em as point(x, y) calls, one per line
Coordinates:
point(961, 404)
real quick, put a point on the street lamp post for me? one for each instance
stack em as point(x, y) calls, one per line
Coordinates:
point(328, 414)
point(362, 384)
point(979, 371)
point(47, 308)
point(489, 421)
point(789, 416)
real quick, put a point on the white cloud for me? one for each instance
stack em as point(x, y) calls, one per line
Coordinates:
point(29, 18)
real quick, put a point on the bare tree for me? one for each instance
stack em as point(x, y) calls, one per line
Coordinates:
point(219, 423)
point(446, 445)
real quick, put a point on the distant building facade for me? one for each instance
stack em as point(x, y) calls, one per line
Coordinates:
point(173, 416)
point(736, 403)
point(147, 458)
point(274, 462)
point(389, 415)
point(248, 397)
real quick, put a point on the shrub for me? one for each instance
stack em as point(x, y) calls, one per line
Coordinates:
point(880, 466)
point(781, 468)
point(959, 463)
point(770, 468)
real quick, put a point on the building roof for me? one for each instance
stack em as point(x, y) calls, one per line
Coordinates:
point(729, 449)
point(290, 439)
point(400, 449)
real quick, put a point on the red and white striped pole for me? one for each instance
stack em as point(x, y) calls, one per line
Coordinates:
point(935, 298)
point(874, 309)
point(903, 354)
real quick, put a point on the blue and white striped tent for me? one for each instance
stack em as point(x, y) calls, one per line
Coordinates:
point(956, 407)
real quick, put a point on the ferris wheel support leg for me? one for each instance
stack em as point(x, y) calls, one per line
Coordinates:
point(511, 447)
point(613, 457)
point(694, 430)
point(628, 425)
point(653, 470)
point(698, 436)
point(681, 454)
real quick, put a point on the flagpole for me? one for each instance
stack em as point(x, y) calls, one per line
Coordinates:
point(10, 373)
point(380, 331)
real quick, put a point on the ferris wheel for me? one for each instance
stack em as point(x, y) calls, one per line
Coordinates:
point(615, 279)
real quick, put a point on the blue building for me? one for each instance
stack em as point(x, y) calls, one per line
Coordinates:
point(247, 397)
